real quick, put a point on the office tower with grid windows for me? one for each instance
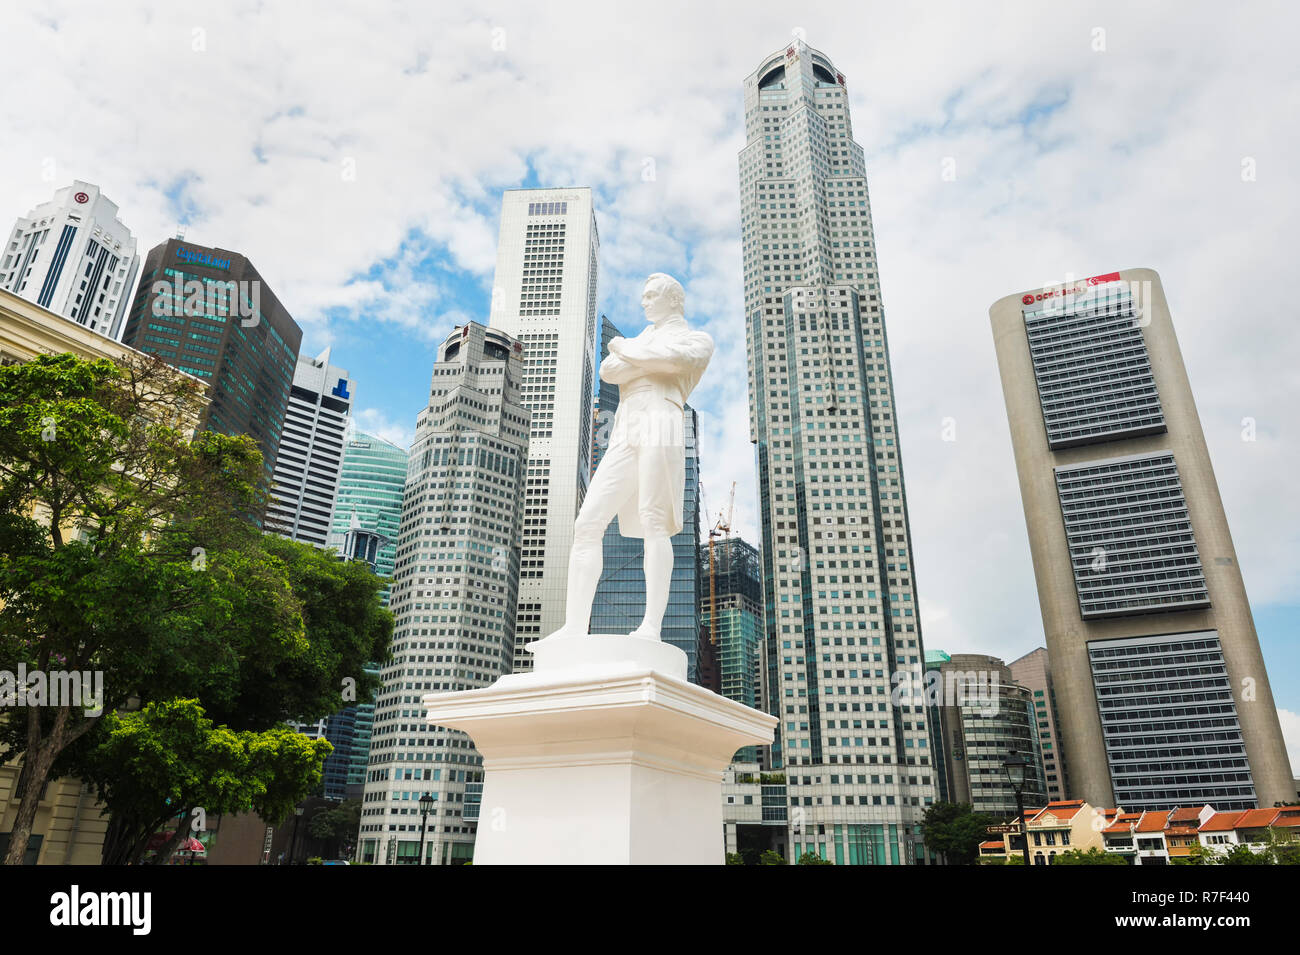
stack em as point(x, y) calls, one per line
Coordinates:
point(1163, 697)
point(841, 628)
point(455, 584)
point(309, 462)
point(544, 295)
point(619, 603)
point(73, 256)
point(983, 717)
point(1034, 672)
point(209, 313)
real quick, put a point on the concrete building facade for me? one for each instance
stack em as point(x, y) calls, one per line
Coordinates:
point(1033, 671)
point(983, 717)
point(455, 586)
point(73, 256)
point(544, 296)
point(309, 462)
point(840, 605)
point(1162, 691)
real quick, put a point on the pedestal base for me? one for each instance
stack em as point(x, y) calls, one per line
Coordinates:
point(598, 758)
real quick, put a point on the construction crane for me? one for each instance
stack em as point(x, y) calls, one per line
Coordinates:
point(722, 528)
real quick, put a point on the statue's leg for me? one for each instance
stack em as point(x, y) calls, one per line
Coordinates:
point(658, 581)
point(611, 486)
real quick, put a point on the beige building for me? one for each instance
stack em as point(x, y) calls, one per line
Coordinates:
point(1160, 683)
point(69, 828)
point(1033, 671)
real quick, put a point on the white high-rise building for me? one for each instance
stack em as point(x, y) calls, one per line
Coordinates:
point(453, 596)
point(545, 296)
point(310, 459)
point(842, 627)
point(73, 256)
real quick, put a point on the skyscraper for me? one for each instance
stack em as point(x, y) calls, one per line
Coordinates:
point(208, 312)
point(455, 584)
point(544, 295)
point(309, 462)
point(1164, 700)
point(984, 716)
point(840, 618)
point(736, 590)
point(367, 517)
point(368, 505)
point(73, 256)
point(619, 604)
point(1034, 672)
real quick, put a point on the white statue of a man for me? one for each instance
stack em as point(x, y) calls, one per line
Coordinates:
point(642, 475)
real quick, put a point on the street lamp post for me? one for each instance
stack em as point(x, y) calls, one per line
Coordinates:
point(426, 805)
point(293, 841)
point(1015, 768)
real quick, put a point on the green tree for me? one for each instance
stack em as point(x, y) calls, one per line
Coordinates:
point(771, 857)
point(812, 858)
point(338, 827)
point(955, 831)
point(158, 765)
point(734, 858)
point(95, 465)
point(1090, 856)
point(1244, 855)
point(126, 550)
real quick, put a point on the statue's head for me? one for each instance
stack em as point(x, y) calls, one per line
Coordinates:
point(663, 296)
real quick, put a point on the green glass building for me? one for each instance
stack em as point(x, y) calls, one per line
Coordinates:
point(208, 312)
point(367, 511)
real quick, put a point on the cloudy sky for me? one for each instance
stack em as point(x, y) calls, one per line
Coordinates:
point(357, 152)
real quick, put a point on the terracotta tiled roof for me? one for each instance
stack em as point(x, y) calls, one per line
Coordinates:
point(992, 844)
point(1256, 818)
point(1063, 810)
point(1188, 814)
point(1222, 821)
point(1152, 821)
point(1288, 816)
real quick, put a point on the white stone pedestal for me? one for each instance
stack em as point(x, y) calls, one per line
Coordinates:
point(603, 755)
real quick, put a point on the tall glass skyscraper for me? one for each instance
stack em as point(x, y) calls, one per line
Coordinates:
point(620, 595)
point(368, 506)
point(209, 313)
point(840, 618)
point(367, 515)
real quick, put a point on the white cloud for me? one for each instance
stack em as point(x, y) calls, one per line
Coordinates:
point(327, 141)
point(1291, 734)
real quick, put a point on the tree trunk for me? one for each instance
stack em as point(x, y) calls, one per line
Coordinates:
point(181, 834)
point(36, 769)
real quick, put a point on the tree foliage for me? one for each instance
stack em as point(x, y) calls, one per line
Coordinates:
point(168, 759)
point(129, 549)
point(955, 831)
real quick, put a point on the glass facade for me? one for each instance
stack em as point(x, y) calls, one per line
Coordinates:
point(1130, 535)
point(619, 604)
point(1170, 723)
point(199, 319)
point(369, 500)
point(839, 601)
point(1091, 366)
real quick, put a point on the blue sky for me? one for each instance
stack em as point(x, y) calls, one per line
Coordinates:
point(357, 155)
